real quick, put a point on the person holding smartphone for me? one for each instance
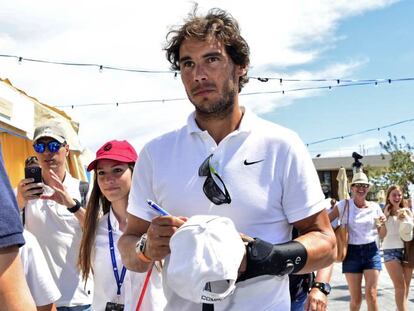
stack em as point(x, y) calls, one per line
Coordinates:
point(55, 217)
point(31, 186)
point(115, 287)
point(39, 279)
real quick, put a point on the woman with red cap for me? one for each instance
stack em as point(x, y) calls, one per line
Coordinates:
point(115, 288)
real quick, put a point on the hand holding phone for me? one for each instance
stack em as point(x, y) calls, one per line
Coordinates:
point(34, 172)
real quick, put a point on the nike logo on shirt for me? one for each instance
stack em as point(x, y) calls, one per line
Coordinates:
point(250, 163)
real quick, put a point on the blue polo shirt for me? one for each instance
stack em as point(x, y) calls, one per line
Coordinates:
point(10, 224)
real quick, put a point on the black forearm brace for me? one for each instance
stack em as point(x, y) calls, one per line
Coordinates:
point(264, 258)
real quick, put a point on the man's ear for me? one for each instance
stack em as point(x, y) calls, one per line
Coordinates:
point(67, 149)
point(241, 70)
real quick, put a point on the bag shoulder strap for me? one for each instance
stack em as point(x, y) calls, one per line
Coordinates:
point(346, 210)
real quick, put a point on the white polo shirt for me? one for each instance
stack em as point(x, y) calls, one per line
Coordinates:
point(59, 233)
point(105, 284)
point(38, 277)
point(269, 175)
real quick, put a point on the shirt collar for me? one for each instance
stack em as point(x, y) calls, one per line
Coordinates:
point(246, 123)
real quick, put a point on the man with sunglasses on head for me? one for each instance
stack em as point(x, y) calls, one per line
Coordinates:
point(228, 162)
point(54, 215)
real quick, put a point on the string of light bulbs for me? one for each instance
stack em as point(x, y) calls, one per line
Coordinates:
point(164, 100)
point(100, 67)
point(360, 132)
point(20, 59)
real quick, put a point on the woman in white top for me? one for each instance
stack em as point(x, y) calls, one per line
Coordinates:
point(105, 220)
point(393, 245)
point(364, 219)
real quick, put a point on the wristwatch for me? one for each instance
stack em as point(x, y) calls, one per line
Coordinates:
point(323, 287)
point(76, 207)
point(140, 248)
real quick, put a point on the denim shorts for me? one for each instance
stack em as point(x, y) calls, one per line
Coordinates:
point(361, 257)
point(393, 254)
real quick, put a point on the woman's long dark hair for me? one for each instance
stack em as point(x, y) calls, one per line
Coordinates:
point(93, 213)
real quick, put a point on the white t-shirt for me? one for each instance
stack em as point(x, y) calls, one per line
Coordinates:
point(269, 175)
point(392, 238)
point(105, 284)
point(361, 225)
point(41, 284)
point(58, 232)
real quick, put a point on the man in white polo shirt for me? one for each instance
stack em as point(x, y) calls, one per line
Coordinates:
point(53, 214)
point(228, 162)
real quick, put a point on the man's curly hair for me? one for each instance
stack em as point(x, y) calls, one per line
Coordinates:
point(216, 24)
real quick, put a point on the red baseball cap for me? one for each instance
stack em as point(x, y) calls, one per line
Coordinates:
point(117, 150)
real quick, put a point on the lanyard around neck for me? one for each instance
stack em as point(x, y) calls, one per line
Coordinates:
point(118, 280)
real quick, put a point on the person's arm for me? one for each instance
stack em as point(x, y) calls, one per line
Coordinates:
point(159, 232)
point(314, 249)
point(317, 236)
point(381, 227)
point(27, 190)
point(14, 292)
point(334, 214)
point(136, 227)
point(382, 230)
point(317, 300)
point(49, 307)
point(62, 196)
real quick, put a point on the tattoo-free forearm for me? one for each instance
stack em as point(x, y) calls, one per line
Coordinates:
point(14, 292)
point(126, 246)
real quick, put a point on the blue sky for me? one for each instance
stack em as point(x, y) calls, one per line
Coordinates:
point(353, 39)
point(381, 39)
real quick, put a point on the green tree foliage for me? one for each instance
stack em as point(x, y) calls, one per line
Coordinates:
point(401, 169)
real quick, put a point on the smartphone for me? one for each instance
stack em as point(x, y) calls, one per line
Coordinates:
point(34, 172)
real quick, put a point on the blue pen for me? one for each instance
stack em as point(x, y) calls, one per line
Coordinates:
point(157, 208)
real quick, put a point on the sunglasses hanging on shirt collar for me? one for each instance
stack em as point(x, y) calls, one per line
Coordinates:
point(211, 189)
point(53, 146)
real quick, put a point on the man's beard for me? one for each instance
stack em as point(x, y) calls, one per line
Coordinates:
point(221, 108)
point(217, 110)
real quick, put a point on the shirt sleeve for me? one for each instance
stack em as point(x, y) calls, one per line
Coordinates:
point(11, 227)
point(141, 188)
point(302, 193)
point(39, 279)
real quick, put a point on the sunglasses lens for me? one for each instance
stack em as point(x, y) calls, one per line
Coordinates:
point(361, 185)
point(213, 192)
point(211, 189)
point(54, 146)
point(204, 169)
point(39, 147)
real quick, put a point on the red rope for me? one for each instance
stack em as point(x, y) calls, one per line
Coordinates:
point(144, 289)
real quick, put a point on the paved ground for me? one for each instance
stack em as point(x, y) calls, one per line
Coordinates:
point(339, 298)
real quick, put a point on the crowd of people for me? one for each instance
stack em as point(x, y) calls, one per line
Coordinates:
point(103, 248)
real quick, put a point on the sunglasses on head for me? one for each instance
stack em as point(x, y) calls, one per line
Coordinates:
point(361, 185)
point(53, 146)
point(211, 189)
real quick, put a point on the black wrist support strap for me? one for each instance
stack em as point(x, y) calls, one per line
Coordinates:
point(264, 258)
